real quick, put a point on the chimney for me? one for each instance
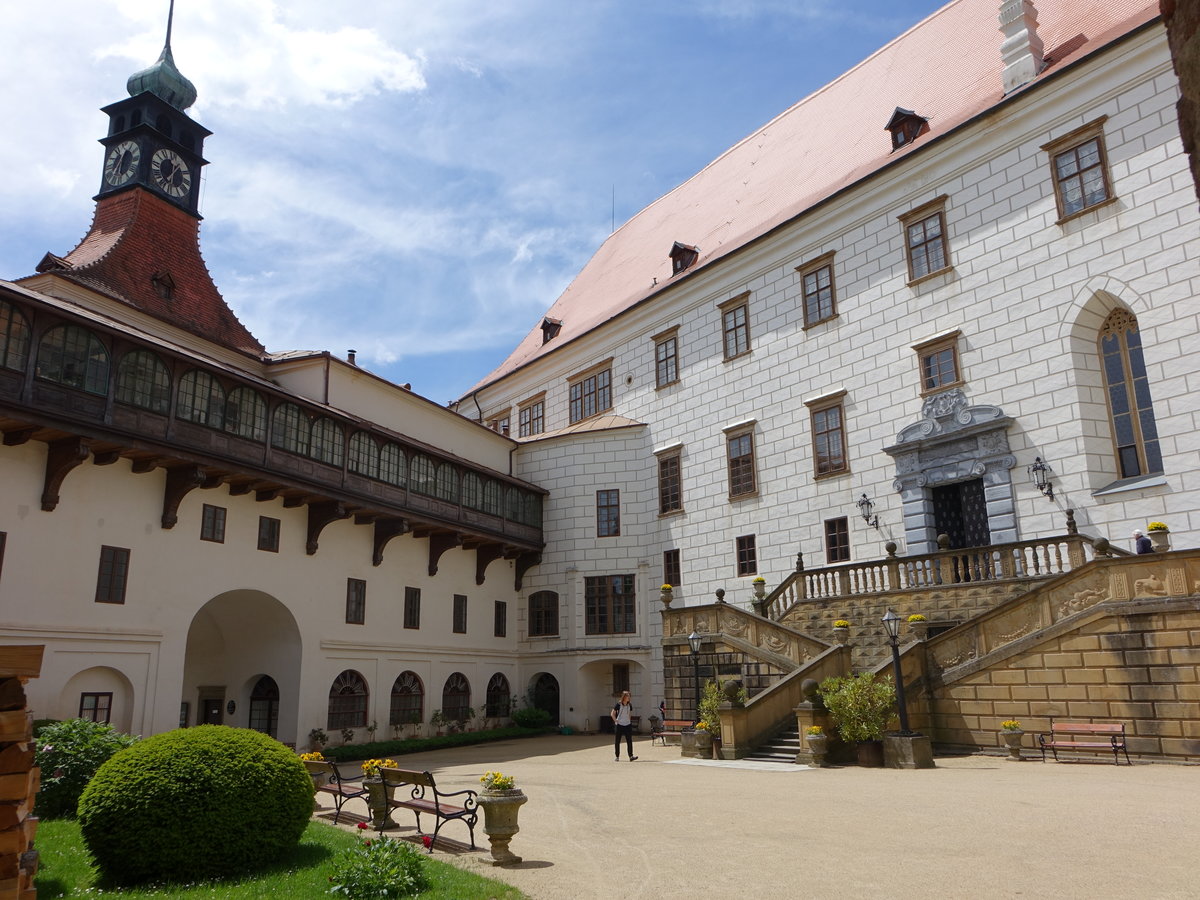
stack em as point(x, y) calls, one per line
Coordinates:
point(352, 357)
point(1022, 50)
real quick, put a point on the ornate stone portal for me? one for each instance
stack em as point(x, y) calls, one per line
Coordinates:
point(953, 442)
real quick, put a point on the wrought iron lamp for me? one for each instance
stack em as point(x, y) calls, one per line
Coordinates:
point(694, 642)
point(865, 506)
point(1041, 477)
point(891, 622)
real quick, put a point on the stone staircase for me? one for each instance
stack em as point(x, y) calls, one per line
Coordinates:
point(780, 749)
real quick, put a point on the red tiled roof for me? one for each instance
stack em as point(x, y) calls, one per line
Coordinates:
point(947, 68)
point(136, 236)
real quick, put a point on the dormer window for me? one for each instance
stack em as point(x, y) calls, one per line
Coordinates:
point(164, 285)
point(905, 126)
point(550, 328)
point(682, 256)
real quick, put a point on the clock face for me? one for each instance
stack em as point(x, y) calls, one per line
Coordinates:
point(121, 163)
point(170, 172)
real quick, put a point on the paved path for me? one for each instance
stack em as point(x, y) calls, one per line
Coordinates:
point(975, 827)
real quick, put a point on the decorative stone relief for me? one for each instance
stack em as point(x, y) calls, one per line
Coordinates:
point(953, 653)
point(773, 642)
point(1018, 623)
point(1120, 586)
point(1176, 583)
point(1091, 592)
point(702, 625)
point(734, 625)
point(1151, 586)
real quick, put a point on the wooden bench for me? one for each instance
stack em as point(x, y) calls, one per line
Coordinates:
point(418, 792)
point(660, 730)
point(338, 788)
point(1113, 734)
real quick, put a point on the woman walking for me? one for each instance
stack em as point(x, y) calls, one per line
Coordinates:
point(622, 716)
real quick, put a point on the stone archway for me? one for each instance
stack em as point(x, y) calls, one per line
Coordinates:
point(544, 694)
point(110, 692)
point(234, 641)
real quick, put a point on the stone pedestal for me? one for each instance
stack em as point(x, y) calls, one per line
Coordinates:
point(500, 810)
point(378, 795)
point(1012, 740)
point(907, 751)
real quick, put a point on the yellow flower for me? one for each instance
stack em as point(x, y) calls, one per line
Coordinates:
point(815, 730)
point(372, 766)
point(916, 617)
point(1157, 526)
point(841, 623)
point(314, 756)
point(1011, 725)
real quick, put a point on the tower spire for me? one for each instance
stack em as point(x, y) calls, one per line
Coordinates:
point(163, 78)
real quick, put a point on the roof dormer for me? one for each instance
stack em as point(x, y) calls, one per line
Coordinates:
point(905, 126)
point(550, 328)
point(682, 256)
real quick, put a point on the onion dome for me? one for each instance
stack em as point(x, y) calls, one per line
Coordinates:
point(163, 79)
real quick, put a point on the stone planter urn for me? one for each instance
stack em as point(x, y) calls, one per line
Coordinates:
point(841, 634)
point(704, 744)
point(1012, 740)
point(687, 744)
point(819, 745)
point(378, 795)
point(500, 810)
point(665, 596)
point(1160, 540)
point(919, 630)
point(319, 772)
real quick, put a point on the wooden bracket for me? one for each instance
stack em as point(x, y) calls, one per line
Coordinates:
point(61, 458)
point(17, 436)
point(142, 466)
point(293, 501)
point(525, 562)
point(439, 544)
point(385, 530)
point(266, 495)
point(106, 458)
point(320, 515)
point(238, 488)
point(181, 481)
point(485, 555)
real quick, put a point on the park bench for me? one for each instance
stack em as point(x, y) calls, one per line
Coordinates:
point(418, 791)
point(672, 727)
point(333, 784)
point(1067, 736)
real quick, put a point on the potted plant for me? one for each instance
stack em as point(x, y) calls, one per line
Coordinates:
point(704, 741)
point(317, 739)
point(841, 631)
point(439, 721)
point(818, 743)
point(861, 705)
point(759, 586)
point(377, 792)
point(318, 768)
point(919, 626)
point(347, 736)
point(501, 800)
point(1160, 536)
point(665, 595)
point(1010, 730)
point(710, 718)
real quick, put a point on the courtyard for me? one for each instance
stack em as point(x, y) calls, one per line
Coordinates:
point(974, 827)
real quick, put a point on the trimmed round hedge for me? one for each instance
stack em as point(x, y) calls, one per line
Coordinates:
point(203, 802)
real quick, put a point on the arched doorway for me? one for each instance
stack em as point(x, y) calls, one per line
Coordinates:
point(264, 706)
point(544, 695)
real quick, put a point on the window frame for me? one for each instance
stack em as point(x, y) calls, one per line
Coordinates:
point(745, 555)
point(614, 607)
point(735, 433)
point(500, 619)
point(412, 608)
point(212, 523)
point(16, 337)
point(356, 601)
point(670, 485)
point(353, 703)
point(97, 707)
point(817, 407)
point(921, 214)
point(111, 585)
point(144, 382)
point(728, 308)
point(1118, 324)
point(531, 416)
point(608, 513)
point(813, 267)
point(543, 614)
point(578, 405)
point(666, 364)
point(837, 540)
point(620, 678)
point(458, 623)
point(268, 541)
point(1073, 140)
point(400, 706)
point(932, 347)
point(672, 567)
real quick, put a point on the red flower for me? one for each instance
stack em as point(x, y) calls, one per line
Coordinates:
point(362, 825)
point(427, 841)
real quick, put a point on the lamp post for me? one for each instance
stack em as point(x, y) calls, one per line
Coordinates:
point(694, 642)
point(891, 622)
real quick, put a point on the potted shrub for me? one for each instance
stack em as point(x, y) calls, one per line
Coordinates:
point(501, 800)
point(710, 718)
point(317, 739)
point(1160, 536)
point(862, 706)
point(439, 721)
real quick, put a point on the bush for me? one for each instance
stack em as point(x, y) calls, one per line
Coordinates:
point(351, 752)
point(379, 868)
point(861, 705)
point(209, 801)
point(69, 753)
point(530, 717)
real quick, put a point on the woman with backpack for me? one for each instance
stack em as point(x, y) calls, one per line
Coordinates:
point(622, 716)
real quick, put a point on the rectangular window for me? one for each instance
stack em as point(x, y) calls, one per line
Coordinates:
point(747, 555)
point(412, 607)
point(938, 361)
point(610, 604)
point(666, 358)
point(1079, 167)
point(268, 534)
point(591, 394)
point(531, 419)
point(620, 678)
point(212, 524)
point(816, 282)
point(740, 452)
point(608, 513)
point(925, 242)
point(114, 570)
point(499, 425)
point(356, 601)
point(670, 484)
point(460, 614)
point(735, 326)
point(829, 435)
point(96, 707)
point(543, 614)
point(501, 629)
point(837, 540)
point(672, 573)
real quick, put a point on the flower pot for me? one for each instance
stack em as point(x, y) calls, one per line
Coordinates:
point(919, 629)
point(1161, 540)
point(841, 635)
point(1012, 740)
point(704, 744)
point(378, 795)
point(666, 597)
point(870, 754)
point(500, 810)
point(818, 745)
point(687, 744)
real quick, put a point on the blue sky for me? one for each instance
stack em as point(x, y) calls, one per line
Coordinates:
point(415, 180)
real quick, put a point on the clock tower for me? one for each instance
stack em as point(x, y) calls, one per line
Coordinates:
point(151, 142)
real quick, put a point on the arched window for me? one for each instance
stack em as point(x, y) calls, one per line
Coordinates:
point(201, 399)
point(246, 414)
point(290, 429)
point(472, 491)
point(264, 706)
point(393, 467)
point(1135, 434)
point(348, 701)
point(499, 697)
point(328, 442)
point(447, 483)
point(456, 697)
point(408, 700)
point(143, 381)
point(492, 503)
point(422, 474)
point(14, 337)
point(364, 455)
point(75, 357)
point(543, 614)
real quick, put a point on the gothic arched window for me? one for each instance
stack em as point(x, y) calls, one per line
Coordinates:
point(1127, 387)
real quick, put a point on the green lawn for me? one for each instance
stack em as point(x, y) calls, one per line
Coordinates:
point(65, 871)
